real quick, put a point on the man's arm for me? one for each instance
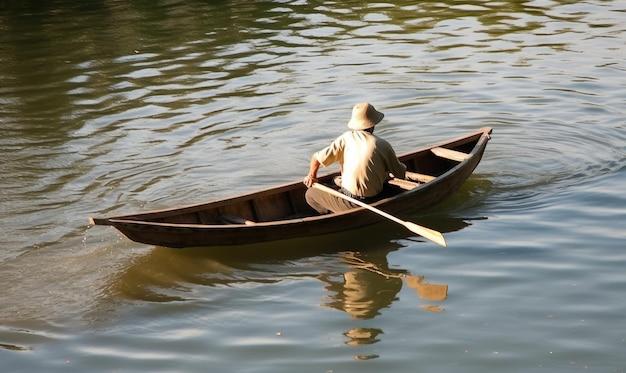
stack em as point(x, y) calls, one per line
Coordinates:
point(312, 176)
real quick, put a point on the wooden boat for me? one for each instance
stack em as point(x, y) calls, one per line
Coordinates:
point(434, 173)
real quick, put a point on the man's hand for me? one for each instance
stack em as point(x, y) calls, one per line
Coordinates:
point(309, 181)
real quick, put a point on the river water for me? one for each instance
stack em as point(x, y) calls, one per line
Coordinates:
point(110, 107)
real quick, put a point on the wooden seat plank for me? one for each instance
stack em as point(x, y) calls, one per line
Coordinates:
point(450, 154)
point(414, 176)
point(404, 184)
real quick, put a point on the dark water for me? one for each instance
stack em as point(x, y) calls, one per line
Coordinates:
point(115, 107)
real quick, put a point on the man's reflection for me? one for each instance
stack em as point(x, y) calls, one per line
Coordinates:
point(362, 336)
point(362, 291)
point(369, 286)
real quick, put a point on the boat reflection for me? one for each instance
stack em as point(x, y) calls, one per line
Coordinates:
point(353, 266)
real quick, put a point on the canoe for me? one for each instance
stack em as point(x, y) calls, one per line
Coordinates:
point(434, 173)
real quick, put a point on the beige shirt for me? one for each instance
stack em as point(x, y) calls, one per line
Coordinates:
point(365, 162)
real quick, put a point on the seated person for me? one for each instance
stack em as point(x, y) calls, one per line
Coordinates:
point(365, 161)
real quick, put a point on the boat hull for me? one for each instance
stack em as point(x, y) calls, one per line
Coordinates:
point(281, 213)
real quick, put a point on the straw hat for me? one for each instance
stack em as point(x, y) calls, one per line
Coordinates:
point(364, 116)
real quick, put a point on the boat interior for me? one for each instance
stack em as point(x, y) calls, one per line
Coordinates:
point(288, 201)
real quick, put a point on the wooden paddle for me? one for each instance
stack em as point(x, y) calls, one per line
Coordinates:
point(427, 233)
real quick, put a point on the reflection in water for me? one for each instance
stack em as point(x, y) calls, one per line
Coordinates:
point(360, 283)
point(361, 292)
point(371, 286)
point(12, 347)
point(358, 337)
point(362, 336)
point(352, 264)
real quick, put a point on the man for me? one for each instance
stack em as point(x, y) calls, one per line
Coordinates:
point(365, 161)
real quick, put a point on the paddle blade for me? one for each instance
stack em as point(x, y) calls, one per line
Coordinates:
point(427, 233)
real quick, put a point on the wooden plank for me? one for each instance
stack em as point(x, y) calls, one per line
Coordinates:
point(414, 176)
point(232, 219)
point(404, 184)
point(450, 154)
